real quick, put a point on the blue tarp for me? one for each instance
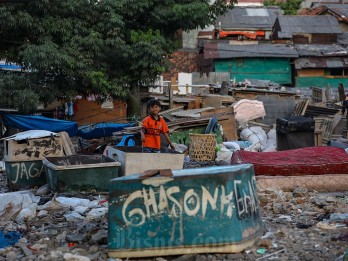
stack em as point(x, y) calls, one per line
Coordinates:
point(25, 123)
point(100, 130)
point(9, 67)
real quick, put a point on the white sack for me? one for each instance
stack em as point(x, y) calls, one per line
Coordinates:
point(256, 136)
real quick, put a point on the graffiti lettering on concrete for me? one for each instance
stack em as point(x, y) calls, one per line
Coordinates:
point(146, 203)
point(247, 204)
point(39, 148)
point(25, 171)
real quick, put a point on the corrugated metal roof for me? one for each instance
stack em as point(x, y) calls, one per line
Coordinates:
point(342, 38)
point(320, 2)
point(213, 50)
point(316, 62)
point(249, 17)
point(320, 50)
point(339, 9)
point(296, 24)
point(312, 11)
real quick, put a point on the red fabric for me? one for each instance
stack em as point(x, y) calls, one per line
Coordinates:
point(152, 130)
point(296, 162)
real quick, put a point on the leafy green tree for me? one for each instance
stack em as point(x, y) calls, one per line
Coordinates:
point(106, 47)
point(289, 7)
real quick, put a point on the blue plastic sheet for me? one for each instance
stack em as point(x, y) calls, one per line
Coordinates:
point(25, 123)
point(9, 238)
point(101, 130)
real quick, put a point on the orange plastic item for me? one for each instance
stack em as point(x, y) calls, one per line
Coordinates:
point(72, 244)
point(249, 34)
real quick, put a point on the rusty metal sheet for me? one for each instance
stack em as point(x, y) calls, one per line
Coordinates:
point(259, 17)
point(226, 50)
point(320, 50)
point(316, 62)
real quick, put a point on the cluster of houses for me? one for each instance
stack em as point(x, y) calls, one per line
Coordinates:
point(259, 42)
point(250, 44)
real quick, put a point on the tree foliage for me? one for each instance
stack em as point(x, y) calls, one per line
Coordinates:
point(92, 46)
point(289, 7)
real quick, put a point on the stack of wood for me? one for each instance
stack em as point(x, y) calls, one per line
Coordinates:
point(178, 119)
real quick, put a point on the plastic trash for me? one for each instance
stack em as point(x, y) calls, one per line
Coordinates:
point(73, 202)
point(261, 251)
point(243, 144)
point(127, 140)
point(338, 216)
point(96, 213)
point(232, 145)
point(9, 238)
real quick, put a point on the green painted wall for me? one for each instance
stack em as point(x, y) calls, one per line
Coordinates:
point(274, 69)
point(320, 81)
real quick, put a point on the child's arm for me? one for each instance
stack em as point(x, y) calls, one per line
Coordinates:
point(168, 140)
point(142, 135)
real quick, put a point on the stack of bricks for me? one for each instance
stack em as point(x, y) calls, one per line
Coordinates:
point(181, 61)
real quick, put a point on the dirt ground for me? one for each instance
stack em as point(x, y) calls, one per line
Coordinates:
point(299, 225)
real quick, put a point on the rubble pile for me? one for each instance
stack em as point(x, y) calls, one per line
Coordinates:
point(299, 225)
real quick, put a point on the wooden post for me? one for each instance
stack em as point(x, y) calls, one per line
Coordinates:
point(170, 96)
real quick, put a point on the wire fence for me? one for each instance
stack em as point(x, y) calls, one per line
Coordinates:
point(320, 183)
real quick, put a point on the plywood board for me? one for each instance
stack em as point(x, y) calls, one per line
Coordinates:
point(68, 146)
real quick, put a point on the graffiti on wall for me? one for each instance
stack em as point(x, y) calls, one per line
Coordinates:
point(26, 171)
point(146, 203)
point(39, 148)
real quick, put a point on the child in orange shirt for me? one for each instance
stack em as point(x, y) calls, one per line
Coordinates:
point(153, 126)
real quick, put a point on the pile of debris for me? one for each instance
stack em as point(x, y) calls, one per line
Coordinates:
point(300, 225)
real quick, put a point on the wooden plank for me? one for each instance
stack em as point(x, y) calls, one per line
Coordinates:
point(216, 111)
point(229, 129)
point(194, 113)
point(191, 105)
point(212, 101)
point(300, 108)
point(311, 72)
point(229, 125)
point(68, 147)
point(317, 138)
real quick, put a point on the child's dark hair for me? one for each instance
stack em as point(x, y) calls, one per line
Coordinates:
point(153, 102)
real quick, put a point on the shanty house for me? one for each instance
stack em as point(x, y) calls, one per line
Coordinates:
point(247, 23)
point(255, 61)
point(337, 10)
point(322, 60)
point(298, 29)
point(321, 65)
